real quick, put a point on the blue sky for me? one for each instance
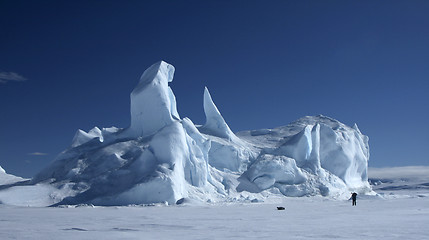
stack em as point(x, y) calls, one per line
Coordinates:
point(68, 65)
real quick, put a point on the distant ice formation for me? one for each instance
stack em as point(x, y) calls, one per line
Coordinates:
point(162, 158)
point(7, 179)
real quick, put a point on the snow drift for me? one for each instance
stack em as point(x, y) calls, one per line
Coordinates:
point(161, 157)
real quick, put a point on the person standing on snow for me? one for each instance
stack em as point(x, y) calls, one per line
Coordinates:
point(354, 199)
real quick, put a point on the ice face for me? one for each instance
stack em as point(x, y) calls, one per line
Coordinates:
point(197, 163)
point(270, 169)
point(345, 153)
point(153, 104)
point(304, 148)
point(230, 155)
point(324, 148)
point(168, 151)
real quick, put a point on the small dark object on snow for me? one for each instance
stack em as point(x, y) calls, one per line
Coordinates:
point(180, 201)
point(354, 199)
point(280, 208)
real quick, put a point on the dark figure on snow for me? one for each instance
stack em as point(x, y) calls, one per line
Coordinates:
point(354, 199)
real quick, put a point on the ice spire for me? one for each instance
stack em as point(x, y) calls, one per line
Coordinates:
point(153, 104)
point(215, 124)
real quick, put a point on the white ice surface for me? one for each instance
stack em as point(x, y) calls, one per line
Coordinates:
point(304, 218)
point(393, 214)
point(39, 195)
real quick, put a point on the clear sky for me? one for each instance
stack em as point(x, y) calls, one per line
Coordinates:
point(68, 65)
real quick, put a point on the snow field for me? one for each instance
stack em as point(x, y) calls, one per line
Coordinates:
point(304, 218)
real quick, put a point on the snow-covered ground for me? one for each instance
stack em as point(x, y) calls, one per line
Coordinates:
point(396, 213)
point(304, 218)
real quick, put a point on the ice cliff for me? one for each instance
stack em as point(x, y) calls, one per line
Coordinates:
point(161, 157)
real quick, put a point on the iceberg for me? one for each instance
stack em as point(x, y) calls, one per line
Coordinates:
point(162, 158)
